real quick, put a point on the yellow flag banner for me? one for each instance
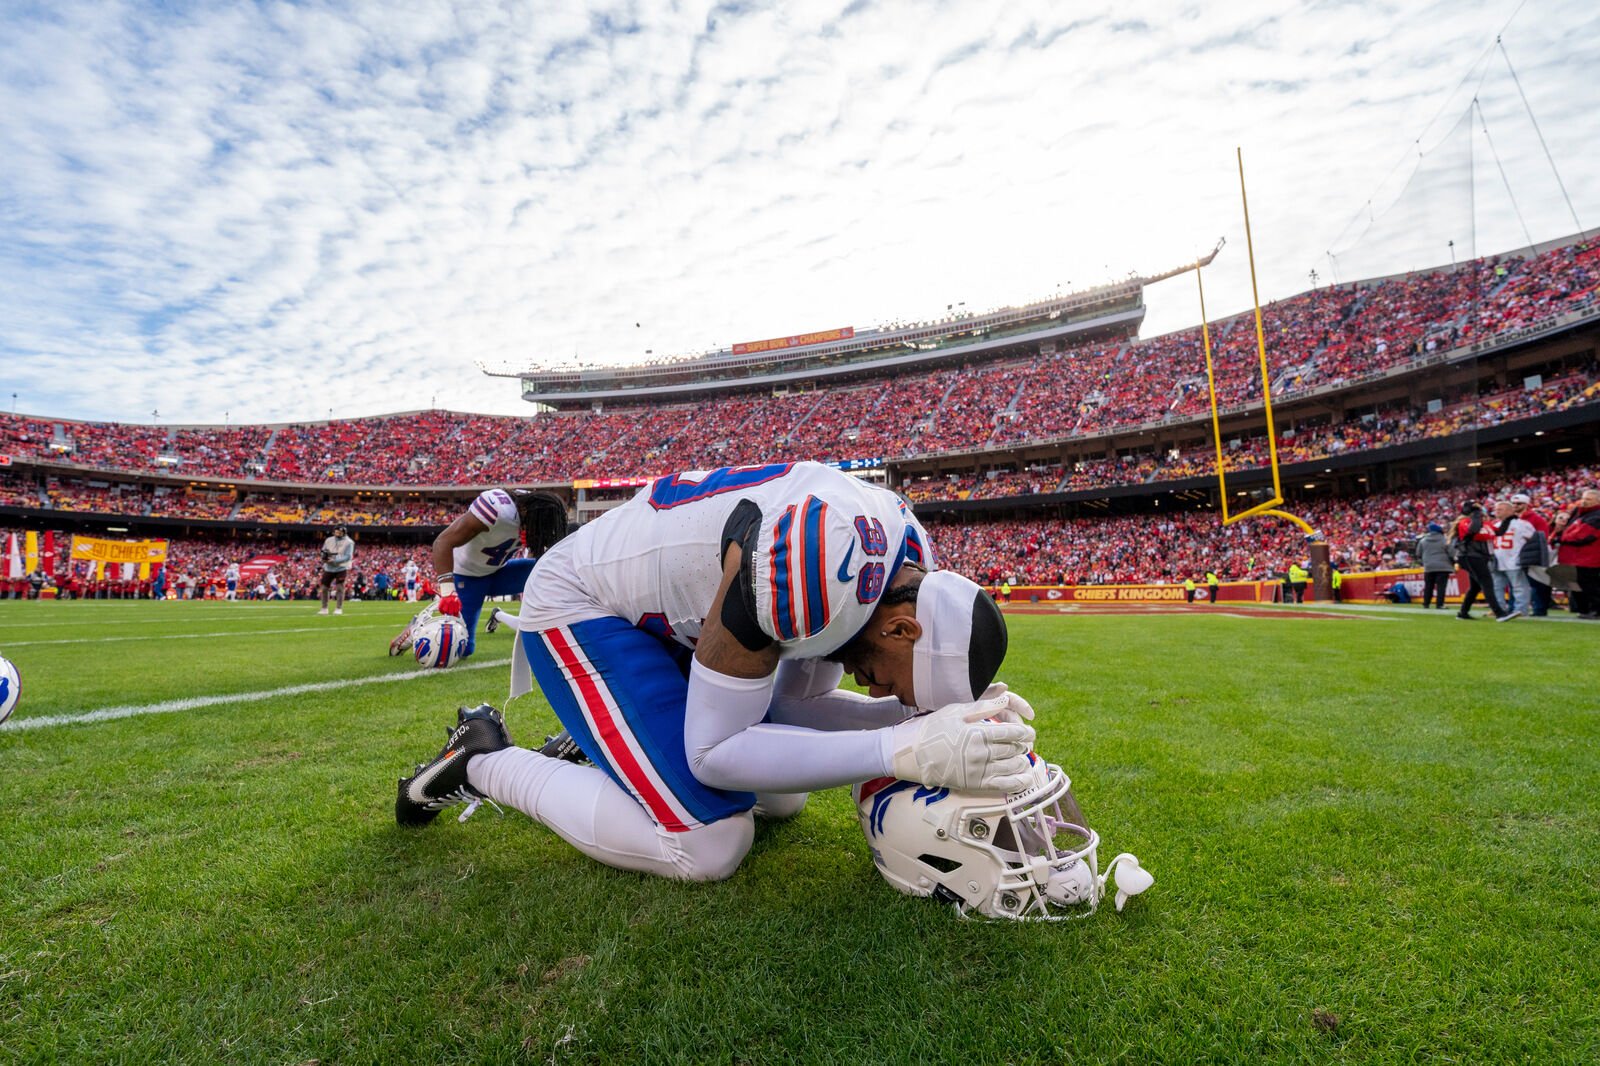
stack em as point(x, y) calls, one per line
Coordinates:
point(97, 550)
point(30, 550)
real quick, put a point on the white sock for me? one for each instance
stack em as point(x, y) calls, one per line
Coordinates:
point(592, 813)
point(505, 619)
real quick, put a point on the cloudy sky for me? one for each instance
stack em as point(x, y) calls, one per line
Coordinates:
point(274, 210)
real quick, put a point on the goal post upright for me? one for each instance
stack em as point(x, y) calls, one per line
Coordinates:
point(1269, 507)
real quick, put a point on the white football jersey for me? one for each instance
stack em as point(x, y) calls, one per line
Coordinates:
point(409, 572)
point(498, 544)
point(233, 572)
point(827, 546)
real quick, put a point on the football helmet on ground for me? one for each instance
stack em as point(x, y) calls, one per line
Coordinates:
point(1027, 856)
point(10, 688)
point(440, 644)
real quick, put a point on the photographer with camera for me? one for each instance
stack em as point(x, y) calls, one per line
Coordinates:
point(338, 551)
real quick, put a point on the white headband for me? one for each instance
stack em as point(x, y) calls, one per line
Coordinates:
point(962, 643)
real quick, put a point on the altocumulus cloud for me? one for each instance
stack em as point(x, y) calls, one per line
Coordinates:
point(276, 209)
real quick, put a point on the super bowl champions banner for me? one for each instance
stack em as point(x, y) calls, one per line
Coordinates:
point(798, 340)
point(98, 550)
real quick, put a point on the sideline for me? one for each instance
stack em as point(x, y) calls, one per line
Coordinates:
point(191, 636)
point(153, 621)
point(106, 714)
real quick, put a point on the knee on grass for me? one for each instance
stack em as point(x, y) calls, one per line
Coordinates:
point(713, 852)
point(779, 805)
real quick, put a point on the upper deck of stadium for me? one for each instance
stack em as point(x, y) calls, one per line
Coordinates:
point(1441, 343)
point(843, 354)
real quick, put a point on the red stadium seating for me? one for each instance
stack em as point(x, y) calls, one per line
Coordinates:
point(1318, 338)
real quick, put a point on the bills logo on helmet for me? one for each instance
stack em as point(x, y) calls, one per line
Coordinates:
point(10, 688)
point(440, 644)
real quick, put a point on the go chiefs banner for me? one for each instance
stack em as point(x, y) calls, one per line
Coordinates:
point(96, 550)
point(799, 340)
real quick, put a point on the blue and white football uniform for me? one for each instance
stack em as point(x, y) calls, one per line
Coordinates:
point(491, 563)
point(610, 617)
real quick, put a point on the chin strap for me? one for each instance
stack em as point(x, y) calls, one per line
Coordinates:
point(1130, 880)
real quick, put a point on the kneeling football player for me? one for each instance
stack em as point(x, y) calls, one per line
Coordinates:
point(482, 554)
point(692, 642)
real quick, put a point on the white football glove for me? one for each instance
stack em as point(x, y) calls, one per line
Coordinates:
point(1017, 709)
point(954, 747)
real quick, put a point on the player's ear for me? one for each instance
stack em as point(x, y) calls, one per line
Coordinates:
point(901, 627)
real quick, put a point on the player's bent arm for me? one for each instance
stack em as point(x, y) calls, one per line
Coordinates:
point(455, 535)
point(808, 694)
point(728, 744)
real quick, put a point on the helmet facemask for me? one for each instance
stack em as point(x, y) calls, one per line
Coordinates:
point(1030, 856)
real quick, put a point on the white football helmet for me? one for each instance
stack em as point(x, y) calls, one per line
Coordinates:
point(1027, 856)
point(10, 688)
point(440, 643)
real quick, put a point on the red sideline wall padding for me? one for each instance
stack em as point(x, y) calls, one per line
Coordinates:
point(1370, 588)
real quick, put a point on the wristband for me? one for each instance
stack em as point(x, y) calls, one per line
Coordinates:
point(447, 586)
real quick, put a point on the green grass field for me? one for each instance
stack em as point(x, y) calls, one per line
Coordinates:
point(1375, 840)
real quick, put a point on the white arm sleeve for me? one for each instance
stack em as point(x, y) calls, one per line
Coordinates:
point(729, 746)
point(808, 694)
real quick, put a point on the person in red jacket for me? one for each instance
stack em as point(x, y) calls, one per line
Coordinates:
point(1577, 532)
point(1470, 543)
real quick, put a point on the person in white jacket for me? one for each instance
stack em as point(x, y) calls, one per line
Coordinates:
point(1510, 579)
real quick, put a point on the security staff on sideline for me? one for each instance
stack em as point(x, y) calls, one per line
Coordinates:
point(1299, 576)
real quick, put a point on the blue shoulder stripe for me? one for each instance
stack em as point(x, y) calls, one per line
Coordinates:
point(781, 578)
point(816, 566)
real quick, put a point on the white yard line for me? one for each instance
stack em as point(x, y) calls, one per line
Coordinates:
point(190, 636)
point(106, 714)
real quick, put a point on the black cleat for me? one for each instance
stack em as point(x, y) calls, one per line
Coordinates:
point(563, 747)
point(442, 782)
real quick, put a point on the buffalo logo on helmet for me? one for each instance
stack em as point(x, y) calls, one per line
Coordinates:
point(440, 644)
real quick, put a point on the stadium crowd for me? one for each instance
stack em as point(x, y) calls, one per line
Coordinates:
point(1325, 336)
point(196, 568)
point(1379, 429)
point(1366, 533)
point(90, 496)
